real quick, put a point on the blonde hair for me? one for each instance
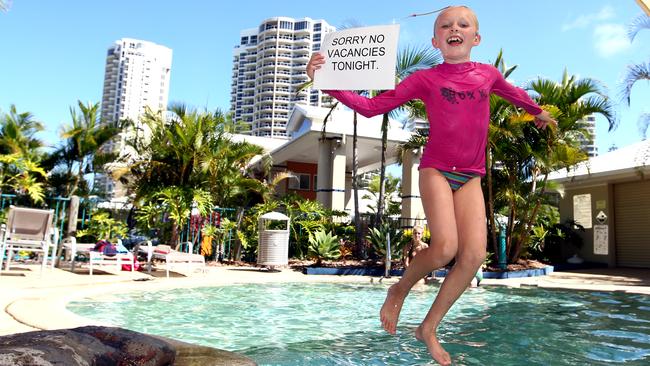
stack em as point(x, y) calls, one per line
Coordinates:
point(418, 228)
point(472, 14)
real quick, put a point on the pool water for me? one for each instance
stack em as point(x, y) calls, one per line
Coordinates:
point(337, 324)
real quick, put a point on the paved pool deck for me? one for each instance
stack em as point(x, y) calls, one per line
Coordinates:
point(34, 301)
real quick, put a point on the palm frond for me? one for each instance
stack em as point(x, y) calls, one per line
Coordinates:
point(640, 22)
point(412, 59)
point(416, 141)
point(634, 73)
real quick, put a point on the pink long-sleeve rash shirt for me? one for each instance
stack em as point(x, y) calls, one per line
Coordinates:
point(457, 101)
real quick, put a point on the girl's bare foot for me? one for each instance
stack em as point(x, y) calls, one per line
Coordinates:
point(435, 349)
point(389, 312)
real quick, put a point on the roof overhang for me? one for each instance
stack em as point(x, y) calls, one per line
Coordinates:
point(305, 125)
point(625, 164)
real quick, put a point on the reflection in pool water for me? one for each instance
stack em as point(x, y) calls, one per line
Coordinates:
point(338, 324)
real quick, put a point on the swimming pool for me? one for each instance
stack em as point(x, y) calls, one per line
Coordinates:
point(337, 324)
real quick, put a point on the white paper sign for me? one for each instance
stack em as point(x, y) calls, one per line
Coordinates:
point(600, 240)
point(582, 209)
point(359, 59)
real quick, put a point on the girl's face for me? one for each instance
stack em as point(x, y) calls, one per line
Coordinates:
point(455, 34)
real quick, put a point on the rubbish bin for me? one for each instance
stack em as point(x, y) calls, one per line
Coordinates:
point(273, 249)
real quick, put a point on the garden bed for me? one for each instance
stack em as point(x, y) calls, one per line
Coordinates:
point(523, 268)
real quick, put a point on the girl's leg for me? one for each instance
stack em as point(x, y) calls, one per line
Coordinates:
point(472, 235)
point(438, 203)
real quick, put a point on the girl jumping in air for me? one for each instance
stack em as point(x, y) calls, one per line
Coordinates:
point(457, 98)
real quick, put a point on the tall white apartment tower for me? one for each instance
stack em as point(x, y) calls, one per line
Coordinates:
point(589, 144)
point(137, 76)
point(269, 67)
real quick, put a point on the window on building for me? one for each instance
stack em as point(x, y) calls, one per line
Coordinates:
point(302, 183)
point(286, 25)
point(317, 37)
point(244, 40)
point(301, 25)
point(317, 27)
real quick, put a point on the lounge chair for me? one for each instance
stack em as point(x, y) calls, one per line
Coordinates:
point(96, 258)
point(28, 229)
point(172, 257)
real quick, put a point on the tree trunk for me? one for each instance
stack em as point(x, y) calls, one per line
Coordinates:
point(175, 237)
point(237, 250)
point(379, 219)
point(531, 219)
point(358, 234)
point(493, 226)
point(77, 178)
point(511, 226)
point(73, 213)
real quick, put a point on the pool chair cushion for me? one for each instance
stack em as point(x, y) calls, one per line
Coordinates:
point(162, 249)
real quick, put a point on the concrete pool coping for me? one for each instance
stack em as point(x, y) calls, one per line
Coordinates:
point(34, 302)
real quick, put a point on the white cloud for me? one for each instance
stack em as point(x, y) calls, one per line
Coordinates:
point(610, 39)
point(585, 20)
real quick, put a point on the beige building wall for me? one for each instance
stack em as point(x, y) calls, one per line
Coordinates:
point(600, 201)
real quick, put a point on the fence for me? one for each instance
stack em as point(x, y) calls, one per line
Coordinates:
point(397, 222)
point(192, 230)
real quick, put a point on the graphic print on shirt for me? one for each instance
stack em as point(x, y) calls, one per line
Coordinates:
point(452, 96)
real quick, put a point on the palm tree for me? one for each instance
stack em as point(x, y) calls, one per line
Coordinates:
point(17, 133)
point(20, 168)
point(228, 174)
point(637, 72)
point(409, 60)
point(189, 155)
point(82, 152)
point(500, 110)
point(392, 186)
point(527, 155)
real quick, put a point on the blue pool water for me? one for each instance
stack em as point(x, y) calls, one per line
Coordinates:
point(337, 324)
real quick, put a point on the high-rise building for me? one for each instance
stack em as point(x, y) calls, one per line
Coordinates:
point(137, 75)
point(588, 144)
point(268, 69)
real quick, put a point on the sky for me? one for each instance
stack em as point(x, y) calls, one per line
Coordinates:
point(53, 52)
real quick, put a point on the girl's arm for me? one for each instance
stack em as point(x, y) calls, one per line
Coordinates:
point(382, 103)
point(520, 98)
point(368, 107)
point(514, 95)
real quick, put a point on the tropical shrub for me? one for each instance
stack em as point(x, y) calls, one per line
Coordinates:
point(562, 241)
point(520, 157)
point(324, 246)
point(378, 238)
point(103, 227)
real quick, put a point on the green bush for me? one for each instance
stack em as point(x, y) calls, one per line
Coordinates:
point(324, 246)
point(378, 237)
point(102, 227)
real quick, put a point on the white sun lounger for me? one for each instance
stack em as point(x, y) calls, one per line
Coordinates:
point(173, 258)
point(28, 229)
point(96, 258)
